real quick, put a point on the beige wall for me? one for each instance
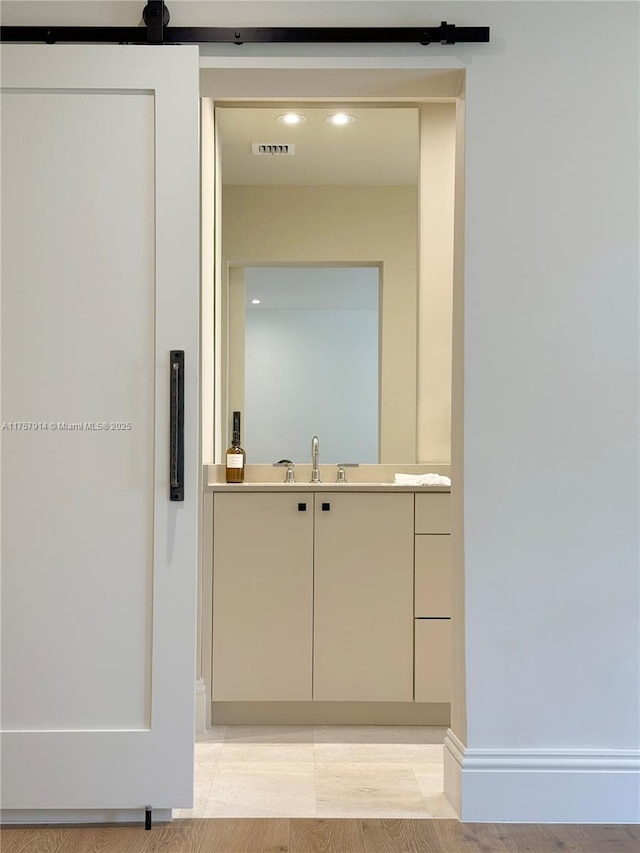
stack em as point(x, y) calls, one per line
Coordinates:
point(437, 187)
point(344, 225)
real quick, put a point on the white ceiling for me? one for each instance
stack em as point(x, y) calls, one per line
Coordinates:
point(380, 147)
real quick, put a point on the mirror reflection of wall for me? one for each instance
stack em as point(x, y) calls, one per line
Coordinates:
point(310, 332)
point(347, 197)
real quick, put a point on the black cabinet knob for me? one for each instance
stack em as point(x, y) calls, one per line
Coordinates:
point(302, 507)
point(326, 507)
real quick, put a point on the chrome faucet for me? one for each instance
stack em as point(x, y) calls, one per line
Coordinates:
point(315, 451)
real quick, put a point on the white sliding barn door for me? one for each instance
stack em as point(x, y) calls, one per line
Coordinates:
point(99, 284)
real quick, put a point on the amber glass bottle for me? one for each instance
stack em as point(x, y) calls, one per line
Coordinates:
point(235, 457)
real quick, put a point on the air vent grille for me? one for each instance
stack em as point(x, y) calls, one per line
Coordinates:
point(274, 149)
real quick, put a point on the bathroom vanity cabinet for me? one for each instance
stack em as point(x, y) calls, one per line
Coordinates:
point(329, 595)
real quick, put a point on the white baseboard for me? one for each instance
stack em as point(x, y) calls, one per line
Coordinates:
point(33, 816)
point(542, 785)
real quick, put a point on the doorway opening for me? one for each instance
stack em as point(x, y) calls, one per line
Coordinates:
point(250, 739)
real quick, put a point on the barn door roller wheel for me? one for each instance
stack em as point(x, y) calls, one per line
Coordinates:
point(156, 17)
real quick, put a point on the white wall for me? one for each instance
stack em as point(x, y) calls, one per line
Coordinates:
point(550, 364)
point(550, 441)
point(551, 337)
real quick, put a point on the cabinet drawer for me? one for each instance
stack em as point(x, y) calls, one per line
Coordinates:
point(433, 575)
point(433, 513)
point(433, 660)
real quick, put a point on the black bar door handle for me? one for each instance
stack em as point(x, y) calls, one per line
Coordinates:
point(176, 418)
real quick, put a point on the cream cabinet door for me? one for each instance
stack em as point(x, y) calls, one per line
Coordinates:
point(262, 597)
point(363, 628)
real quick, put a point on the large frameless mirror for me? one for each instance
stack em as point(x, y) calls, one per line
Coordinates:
point(320, 281)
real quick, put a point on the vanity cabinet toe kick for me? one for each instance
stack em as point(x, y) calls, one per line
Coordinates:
point(331, 597)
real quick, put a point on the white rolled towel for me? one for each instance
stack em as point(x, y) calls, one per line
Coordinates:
point(421, 480)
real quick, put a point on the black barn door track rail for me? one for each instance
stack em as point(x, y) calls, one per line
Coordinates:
point(156, 31)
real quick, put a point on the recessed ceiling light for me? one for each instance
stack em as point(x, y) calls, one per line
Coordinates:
point(292, 118)
point(340, 118)
point(255, 302)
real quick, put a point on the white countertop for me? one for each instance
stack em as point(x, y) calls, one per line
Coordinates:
point(362, 478)
point(320, 487)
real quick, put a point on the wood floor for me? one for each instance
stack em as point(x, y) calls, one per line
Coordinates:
point(316, 835)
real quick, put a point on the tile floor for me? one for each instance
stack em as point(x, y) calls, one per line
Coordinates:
point(320, 771)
